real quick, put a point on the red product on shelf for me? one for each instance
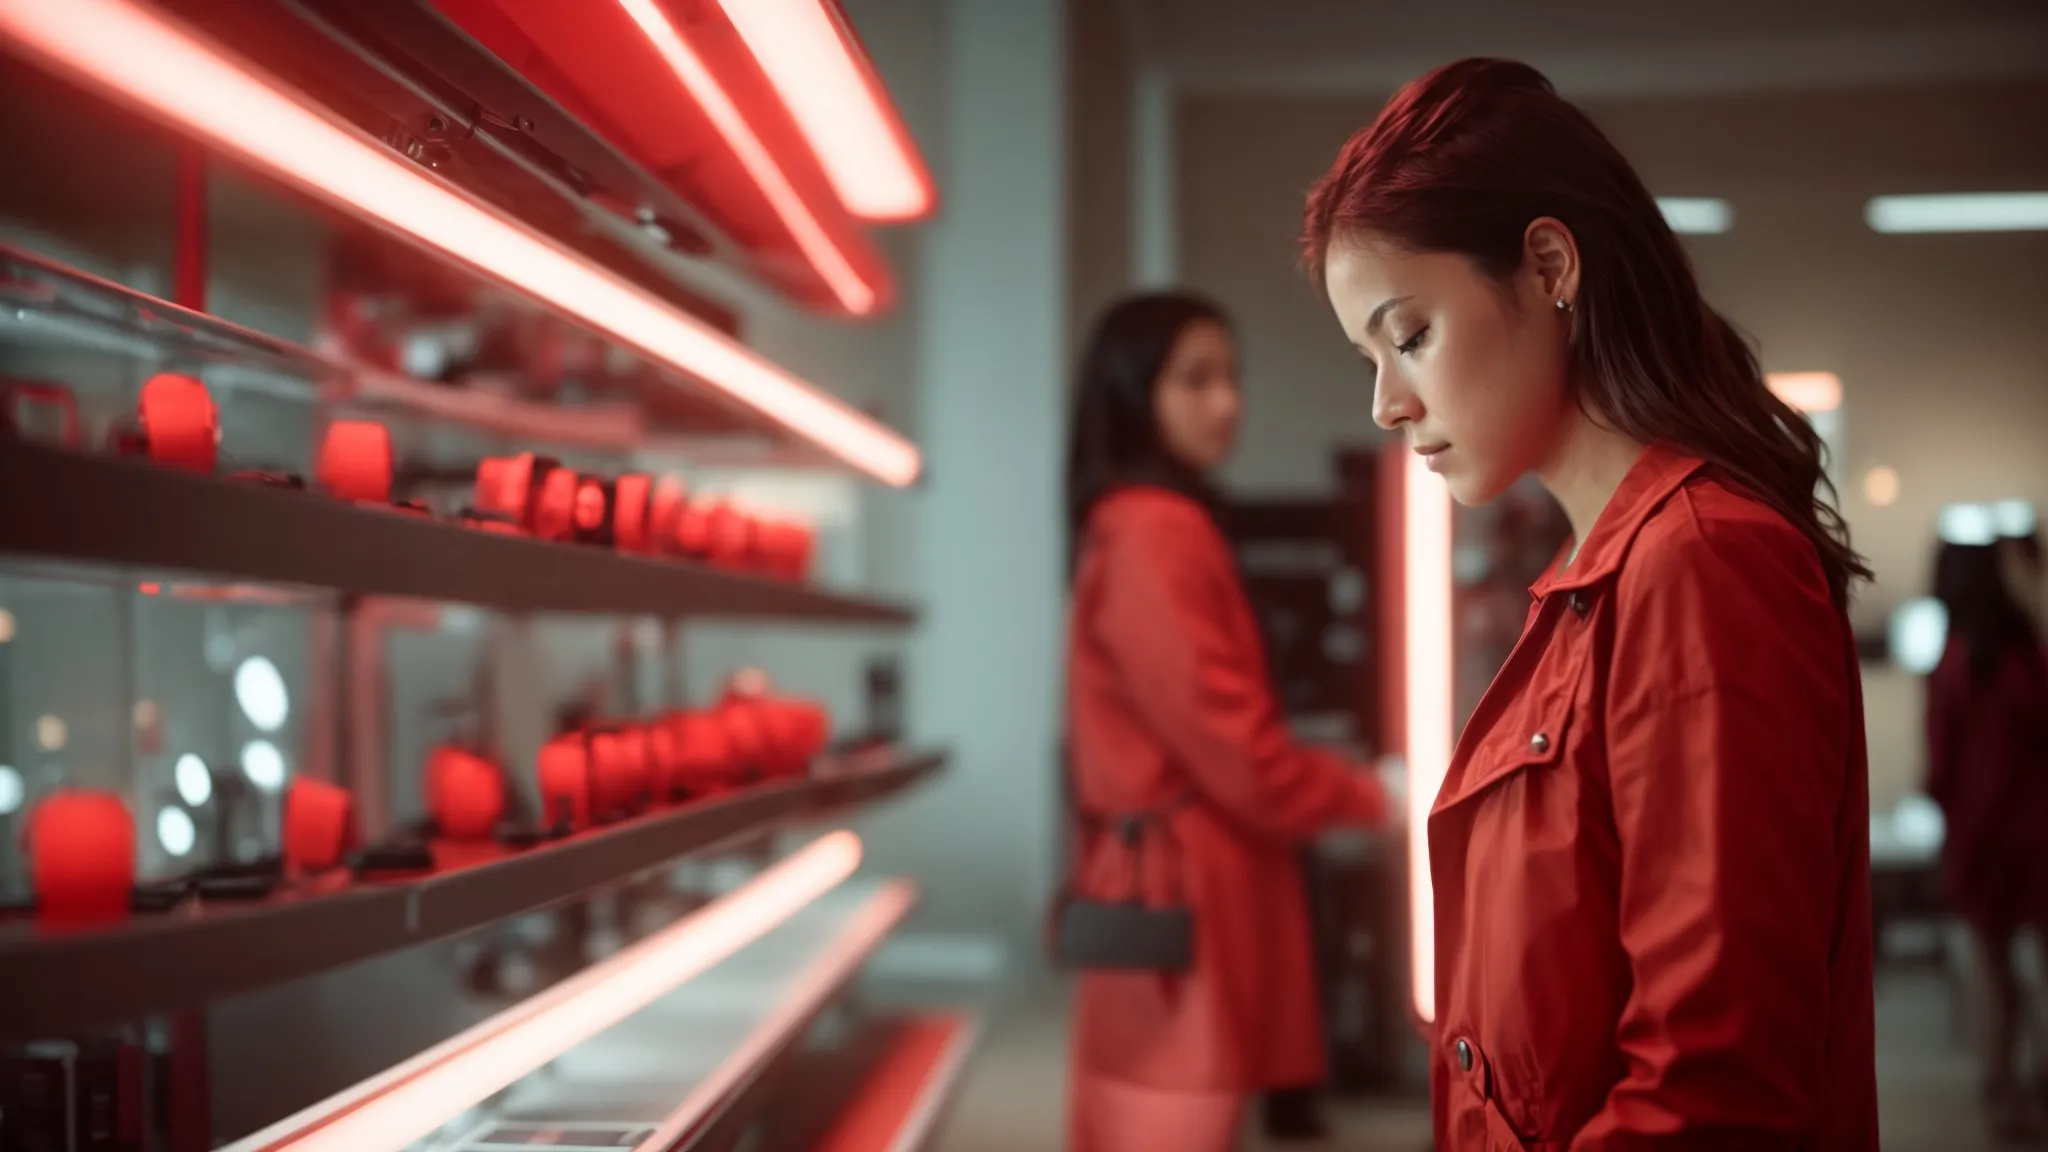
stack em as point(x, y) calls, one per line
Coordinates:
point(665, 759)
point(592, 520)
point(729, 537)
point(704, 754)
point(465, 793)
point(785, 548)
point(553, 514)
point(692, 534)
point(319, 824)
point(82, 855)
point(665, 507)
point(355, 461)
point(615, 786)
point(180, 425)
point(746, 737)
point(563, 772)
point(632, 512)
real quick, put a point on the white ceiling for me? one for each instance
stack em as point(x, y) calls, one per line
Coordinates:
point(1589, 47)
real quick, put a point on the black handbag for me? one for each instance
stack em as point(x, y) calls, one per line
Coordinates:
point(1091, 933)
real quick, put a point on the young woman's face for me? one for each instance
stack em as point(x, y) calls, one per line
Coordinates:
point(1196, 398)
point(1471, 370)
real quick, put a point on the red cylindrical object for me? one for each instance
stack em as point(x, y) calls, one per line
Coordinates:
point(746, 738)
point(665, 759)
point(82, 856)
point(180, 422)
point(319, 824)
point(632, 500)
point(553, 516)
point(664, 508)
point(729, 537)
point(563, 772)
point(465, 793)
point(614, 786)
point(704, 754)
point(355, 461)
point(693, 529)
point(639, 762)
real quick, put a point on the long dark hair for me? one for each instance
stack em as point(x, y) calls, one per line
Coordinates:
point(1983, 614)
point(1115, 437)
point(1465, 157)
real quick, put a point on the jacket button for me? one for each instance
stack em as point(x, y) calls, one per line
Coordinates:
point(1539, 743)
point(1579, 603)
point(1464, 1056)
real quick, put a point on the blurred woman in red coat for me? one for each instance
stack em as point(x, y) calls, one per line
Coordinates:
point(1650, 857)
point(1987, 766)
point(1191, 797)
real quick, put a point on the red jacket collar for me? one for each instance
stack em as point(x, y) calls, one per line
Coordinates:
point(1656, 474)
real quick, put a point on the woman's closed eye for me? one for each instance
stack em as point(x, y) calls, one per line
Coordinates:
point(1408, 346)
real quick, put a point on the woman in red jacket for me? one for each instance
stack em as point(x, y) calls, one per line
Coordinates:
point(1650, 853)
point(1987, 766)
point(1190, 794)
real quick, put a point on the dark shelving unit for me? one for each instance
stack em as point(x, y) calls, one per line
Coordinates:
point(56, 504)
point(201, 951)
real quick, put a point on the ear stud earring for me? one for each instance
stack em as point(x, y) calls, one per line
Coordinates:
point(1563, 305)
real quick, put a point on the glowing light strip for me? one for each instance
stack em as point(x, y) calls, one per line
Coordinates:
point(413, 1099)
point(849, 950)
point(843, 117)
point(853, 292)
point(1696, 215)
point(146, 59)
point(1426, 651)
point(1807, 391)
point(1959, 212)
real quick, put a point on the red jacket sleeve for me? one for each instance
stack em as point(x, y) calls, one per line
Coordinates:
point(1172, 618)
point(1729, 716)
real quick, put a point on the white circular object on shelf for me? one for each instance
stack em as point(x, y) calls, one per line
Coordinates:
point(13, 790)
point(1968, 524)
point(175, 830)
point(51, 732)
point(1918, 634)
point(259, 689)
point(195, 780)
point(263, 764)
point(6, 626)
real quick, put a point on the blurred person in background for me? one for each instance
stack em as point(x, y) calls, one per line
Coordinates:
point(1987, 767)
point(1190, 798)
point(1650, 854)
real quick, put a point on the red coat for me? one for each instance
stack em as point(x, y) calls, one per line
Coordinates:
point(1167, 699)
point(1651, 853)
point(1987, 766)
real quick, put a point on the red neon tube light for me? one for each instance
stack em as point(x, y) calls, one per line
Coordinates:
point(824, 80)
point(754, 156)
point(152, 62)
point(1429, 723)
point(388, 1112)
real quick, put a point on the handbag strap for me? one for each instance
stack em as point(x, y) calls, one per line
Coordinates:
point(1128, 827)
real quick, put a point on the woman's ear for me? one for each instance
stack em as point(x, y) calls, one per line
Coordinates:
point(1550, 262)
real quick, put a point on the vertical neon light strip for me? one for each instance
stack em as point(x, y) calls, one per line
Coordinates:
point(1426, 663)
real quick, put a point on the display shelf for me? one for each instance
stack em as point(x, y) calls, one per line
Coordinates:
point(62, 505)
point(50, 302)
point(199, 952)
point(904, 1094)
point(691, 1058)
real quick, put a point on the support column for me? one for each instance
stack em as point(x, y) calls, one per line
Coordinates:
point(985, 667)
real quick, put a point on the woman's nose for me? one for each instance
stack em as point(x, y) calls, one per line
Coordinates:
point(1393, 403)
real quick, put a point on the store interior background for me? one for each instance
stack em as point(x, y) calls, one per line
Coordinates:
point(1082, 149)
